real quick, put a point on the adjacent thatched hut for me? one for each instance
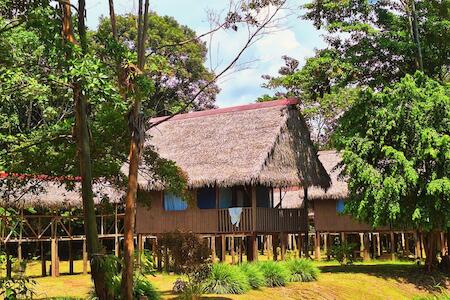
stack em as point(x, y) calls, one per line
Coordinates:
point(234, 159)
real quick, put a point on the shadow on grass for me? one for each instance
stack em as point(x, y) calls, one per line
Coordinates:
point(402, 273)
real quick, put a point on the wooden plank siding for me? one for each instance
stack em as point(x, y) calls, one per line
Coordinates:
point(211, 221)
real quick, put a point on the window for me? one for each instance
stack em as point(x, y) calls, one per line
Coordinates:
point(174, 203)
point(206, 198)
point(263, 197)
point(225, 198)
point(340, 205)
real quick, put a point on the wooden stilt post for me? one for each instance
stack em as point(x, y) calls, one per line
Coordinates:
point(241, 254)
point(43, 261)
point(166, 259)
point(85, 258)
point(233, 258)
point(366, 244)
point(8, 262)
point(329, 245)
point(255, 247)
point(269, 247)
point(158, 256)
point(275, 243)
point(442, 243)
point(402, 236)
point(325, 244)
point(116, 234)
point(283, 246)
point(361, 244)
point(299, 245)
point(223, 249)
point(70, 250)
point(377, 237)
point(407, 237)
point(213, 249)
point(392, 244)
point(317, 245)
point(54, 251)
point(140, 248)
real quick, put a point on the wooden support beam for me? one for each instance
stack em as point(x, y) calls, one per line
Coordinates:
point(233, 258)
point(299, 245)
point(378, 238)
point(317, 246)
point(140, 247)
point(275, 243)
point(71, 271)
point(325, 244)
point(166, 260)
point(366, 247)
point(283, 246)
point(116, 234)
point(392, 245)
point(254, 246)
point(85, 258)
point(54, 252)
point(213, 249)
point(241, 254)
point(361, 244)
point(223, 248)
point(407, 237)
point(253, 208)
point(43, 260)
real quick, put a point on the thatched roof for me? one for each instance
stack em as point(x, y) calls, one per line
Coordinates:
point(263, 143)
point(55, 194)
point(330, 160)
point(293, 197)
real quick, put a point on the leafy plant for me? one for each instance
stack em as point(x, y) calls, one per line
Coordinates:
point(276, 274)
point(343, 253)
point(226, 279)
point(254, 275)
point(17, 288)
point(302, 270)
point(147, 264)
point(187, 251)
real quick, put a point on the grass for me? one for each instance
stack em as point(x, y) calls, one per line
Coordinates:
point(374, 280)
point(302, 270)
point(226, 279)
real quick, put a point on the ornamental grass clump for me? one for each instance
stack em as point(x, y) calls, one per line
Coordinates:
point(302, 270)
point(275, 274)
point(226, 279)
point(254, 274)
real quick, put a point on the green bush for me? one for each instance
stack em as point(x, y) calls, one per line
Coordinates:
point(275, 274)
point(141, 287)
point(254, 274)
point(343, 253)
point(226, 279)
point(302, 270)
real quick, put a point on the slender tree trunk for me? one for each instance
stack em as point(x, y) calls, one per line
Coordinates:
point(305, 200)
point(84, 157)
point(137, 140)
point(416, 35)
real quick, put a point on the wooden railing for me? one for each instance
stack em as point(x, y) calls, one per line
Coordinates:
point(267, 220)
point(245, 224)
point(279, 220)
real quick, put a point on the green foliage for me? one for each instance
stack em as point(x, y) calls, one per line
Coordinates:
point(17, 288)
point(302, 270)
point(187, 251)
point(396, 154)
point(146, 262)
point(343, 253)
point(275, 274)
point(254, 274)
point(226, 279)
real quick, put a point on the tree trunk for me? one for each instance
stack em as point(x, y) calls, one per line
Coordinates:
point(305, 201)
point(137, 139)
point(84, 157)
point(431, 239)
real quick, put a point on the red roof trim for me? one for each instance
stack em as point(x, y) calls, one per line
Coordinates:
point(40, 177)
point(211, 112)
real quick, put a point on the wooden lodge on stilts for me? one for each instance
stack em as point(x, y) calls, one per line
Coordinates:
point(236, 160)
point(47, 221)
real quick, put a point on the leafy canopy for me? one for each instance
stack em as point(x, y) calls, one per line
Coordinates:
point(396, 154)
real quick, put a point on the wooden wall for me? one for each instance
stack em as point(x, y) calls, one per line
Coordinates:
point(158, 220)
point(326, 218)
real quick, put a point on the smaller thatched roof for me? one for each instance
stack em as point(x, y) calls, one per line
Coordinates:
point(292, 197)
point(262, 143)
point(330, 160)
point(55, 194)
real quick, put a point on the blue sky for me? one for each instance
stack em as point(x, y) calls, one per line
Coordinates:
point(294, 37)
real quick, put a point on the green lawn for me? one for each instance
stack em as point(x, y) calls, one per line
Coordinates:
point(375, 280)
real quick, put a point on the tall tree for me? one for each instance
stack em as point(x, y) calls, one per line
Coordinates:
point(396, 155)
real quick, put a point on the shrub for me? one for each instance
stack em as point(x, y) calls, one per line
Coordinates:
point(147, 264)
point(302, 270)
point(343, 253)
point(186, 249)
point(275, 274)
point(226, 279)
point(17, 288)
point(254, 275)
